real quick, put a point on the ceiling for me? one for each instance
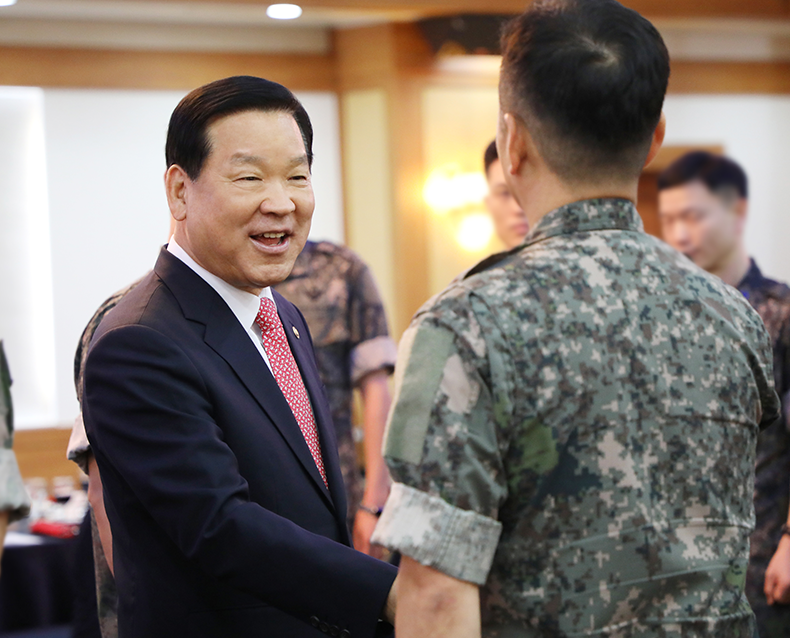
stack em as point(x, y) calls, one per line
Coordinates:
point(699, 29)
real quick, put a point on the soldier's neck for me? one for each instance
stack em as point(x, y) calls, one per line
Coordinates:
point(733, 268)
point(546, 193)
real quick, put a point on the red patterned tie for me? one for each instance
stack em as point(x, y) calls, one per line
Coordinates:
point(288, 377)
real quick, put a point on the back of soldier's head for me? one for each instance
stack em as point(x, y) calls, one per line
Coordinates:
point(588, 79)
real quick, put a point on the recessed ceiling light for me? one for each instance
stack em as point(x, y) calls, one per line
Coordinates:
point(282, 11)
point(7, 3)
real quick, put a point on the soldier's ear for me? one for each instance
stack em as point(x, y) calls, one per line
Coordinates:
point(515, 144)
point(176, 181)
point(741, 213)
point(658, 139)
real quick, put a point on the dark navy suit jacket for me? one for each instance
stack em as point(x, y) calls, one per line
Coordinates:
point(222, 525)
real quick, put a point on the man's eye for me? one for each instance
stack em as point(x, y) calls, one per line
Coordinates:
point(299, 177)
point(250, 178)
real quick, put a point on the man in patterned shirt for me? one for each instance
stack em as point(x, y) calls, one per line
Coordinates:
point(572, 442)
point(336, 293)
point(703, 208)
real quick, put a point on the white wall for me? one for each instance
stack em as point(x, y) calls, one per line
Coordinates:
point(755, 132)
point(108, 216)
point(26, 317)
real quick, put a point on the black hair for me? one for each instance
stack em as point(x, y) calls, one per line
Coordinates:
point(490, 156)
point(720, 174)
point(588, 78)
point(187, 140)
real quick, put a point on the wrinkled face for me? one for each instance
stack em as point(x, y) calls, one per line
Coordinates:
point(248, 214)
point(510, 222)
point(704, 226)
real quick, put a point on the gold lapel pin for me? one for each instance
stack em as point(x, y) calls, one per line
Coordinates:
point(296, 332)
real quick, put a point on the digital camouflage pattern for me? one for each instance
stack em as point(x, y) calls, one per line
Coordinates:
point(597, 398)
point(771, 300)
point(334, 290)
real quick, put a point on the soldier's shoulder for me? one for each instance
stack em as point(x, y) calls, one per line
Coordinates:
point(335, 251)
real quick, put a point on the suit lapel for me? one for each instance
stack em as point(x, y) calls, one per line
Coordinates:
point(200, 302)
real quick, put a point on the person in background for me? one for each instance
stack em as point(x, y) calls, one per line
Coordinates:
point(14, 500)
point(510, 222)
point(335, 291)
point(703, 208)
point(79, 451)
point(573, 431)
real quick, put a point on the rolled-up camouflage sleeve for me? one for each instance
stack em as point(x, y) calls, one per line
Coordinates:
point(443, 447)
point(373, 349)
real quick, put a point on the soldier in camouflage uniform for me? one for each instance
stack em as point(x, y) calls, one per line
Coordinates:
point(703, 208)
point(336, 293)
point(79, 451)
point(573, 436)
point(14, 501)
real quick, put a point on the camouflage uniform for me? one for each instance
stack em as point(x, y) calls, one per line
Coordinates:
point(335, 292)
point(79, 451)
point(772, 483)
point(574, 430)
point(13, 495)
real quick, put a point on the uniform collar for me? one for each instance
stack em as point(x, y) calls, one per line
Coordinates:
point(753, 279)
point(585, 216)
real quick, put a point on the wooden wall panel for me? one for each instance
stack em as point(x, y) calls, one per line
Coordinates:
point(730, 77)
point(674, 8)
point(43, 453)
point(111, 69)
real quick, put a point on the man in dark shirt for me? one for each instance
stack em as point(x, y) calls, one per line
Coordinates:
point(703, 208)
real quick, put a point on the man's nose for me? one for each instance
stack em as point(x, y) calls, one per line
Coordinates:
point(277, 200)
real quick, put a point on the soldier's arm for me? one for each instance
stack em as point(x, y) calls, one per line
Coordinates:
point(431, 603)
point(442, 448)
point(96, 499)
point(777, 576)
point(375, 406)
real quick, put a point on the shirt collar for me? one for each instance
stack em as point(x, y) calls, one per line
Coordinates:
point(585, 216)
point(753, 278)
point(244, 305)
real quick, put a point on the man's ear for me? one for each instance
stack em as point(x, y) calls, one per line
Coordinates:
point(658, 139)
point(741, 213)
point(515, 145)
point(176, 181)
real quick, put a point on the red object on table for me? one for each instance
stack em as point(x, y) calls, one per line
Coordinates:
point(58, 530)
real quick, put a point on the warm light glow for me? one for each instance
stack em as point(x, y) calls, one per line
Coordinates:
point(448, 189)
point(475, 232)
point(7, 3)
point(284, 11)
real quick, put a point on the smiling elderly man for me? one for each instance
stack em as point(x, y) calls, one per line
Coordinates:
point(203, 405)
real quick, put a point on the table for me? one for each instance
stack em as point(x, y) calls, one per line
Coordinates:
point(36, 582)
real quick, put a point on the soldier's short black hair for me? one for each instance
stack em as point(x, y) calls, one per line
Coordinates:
point(187, 140)
point(588, 78)
point(720, 174)
point(490, 156)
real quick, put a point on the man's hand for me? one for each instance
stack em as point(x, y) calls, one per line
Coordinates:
point(430, 603)
point(777, 576)
point(364, 524)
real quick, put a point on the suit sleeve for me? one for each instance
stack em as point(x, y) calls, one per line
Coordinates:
point(149, 419)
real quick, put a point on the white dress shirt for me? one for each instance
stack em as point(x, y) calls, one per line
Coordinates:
point(244, 305)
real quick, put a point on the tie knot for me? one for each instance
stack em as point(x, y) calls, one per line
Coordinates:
point(267, 315)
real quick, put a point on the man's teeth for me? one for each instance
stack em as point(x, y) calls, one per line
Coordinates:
point(274, 235)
